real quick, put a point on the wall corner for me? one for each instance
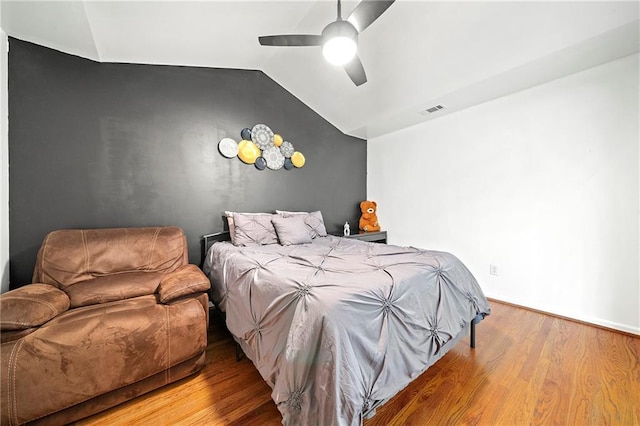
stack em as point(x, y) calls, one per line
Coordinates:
point(4, 162)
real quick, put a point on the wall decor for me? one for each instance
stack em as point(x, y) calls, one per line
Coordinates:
point(248, 152)
point(228, 147)
point(263, 148)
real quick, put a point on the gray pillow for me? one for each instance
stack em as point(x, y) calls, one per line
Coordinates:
point(232, 229)
point(313, 220)
point(253, 229)
point(291, 230)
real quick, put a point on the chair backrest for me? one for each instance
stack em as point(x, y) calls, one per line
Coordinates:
point(74, 255)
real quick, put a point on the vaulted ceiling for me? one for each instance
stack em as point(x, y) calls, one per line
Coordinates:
point(417, 55)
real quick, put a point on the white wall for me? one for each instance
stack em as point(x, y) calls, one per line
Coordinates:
point(543, 183)
point(4, 166)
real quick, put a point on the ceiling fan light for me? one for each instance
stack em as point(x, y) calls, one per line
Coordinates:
point(339, 50)
point(340, 42)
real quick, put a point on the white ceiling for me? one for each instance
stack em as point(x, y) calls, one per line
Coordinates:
point(418, 54)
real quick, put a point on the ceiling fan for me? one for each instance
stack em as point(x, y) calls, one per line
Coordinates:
point(339, 39)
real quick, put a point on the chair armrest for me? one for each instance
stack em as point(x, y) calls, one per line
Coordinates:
point(31, 306)
point(186, 280)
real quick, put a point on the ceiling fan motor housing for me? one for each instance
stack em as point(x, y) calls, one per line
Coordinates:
point(340, 29)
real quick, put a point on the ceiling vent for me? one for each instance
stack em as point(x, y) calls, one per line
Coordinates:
point(432, 109)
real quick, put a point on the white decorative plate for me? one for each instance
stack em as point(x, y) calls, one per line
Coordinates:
point(262, 136)
point(287, 149)
point(275, 159)
point(228, 147)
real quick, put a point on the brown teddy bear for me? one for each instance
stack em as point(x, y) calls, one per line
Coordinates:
point(369, 219)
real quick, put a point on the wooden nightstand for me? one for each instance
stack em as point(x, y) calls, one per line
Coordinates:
point(375, 237)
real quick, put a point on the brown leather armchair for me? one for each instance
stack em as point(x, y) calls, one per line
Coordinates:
point(111, 314)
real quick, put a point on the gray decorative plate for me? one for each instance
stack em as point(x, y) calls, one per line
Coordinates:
point(287, 149)
point(275, 159)
point(228, 147)
point(288, 164)
point(261, 163)
point(262, 136)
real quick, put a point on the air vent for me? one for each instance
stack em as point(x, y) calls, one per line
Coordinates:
point(432, 109)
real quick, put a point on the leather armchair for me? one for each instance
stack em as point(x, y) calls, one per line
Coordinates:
point(111, 314)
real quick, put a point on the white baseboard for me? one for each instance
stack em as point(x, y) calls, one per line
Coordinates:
point(582, 318)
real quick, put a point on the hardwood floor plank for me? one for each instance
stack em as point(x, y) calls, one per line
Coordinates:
point(538, 337)
point(552, 404)
point(528, 369)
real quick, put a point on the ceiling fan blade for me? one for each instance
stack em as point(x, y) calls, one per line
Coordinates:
point(366, 12)
point(355, 70)
point(291, 40)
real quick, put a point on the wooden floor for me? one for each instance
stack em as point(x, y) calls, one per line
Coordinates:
point(527, 369)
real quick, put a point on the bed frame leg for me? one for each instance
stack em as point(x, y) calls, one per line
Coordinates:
point(472, 339)
point(239, 353)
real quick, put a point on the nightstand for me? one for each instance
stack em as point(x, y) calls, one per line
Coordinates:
point(375, 237)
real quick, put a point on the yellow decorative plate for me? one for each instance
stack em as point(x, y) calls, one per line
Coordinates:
point(298, 159)
point(248, 151)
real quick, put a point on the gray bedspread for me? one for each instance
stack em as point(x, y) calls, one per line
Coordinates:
point(338, 326)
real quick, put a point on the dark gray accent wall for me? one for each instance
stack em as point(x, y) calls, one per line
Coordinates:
point(95, 145)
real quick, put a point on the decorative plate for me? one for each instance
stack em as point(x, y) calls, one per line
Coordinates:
point(288, 164)
point(228, 147)
point(246, 133)
point(275, 159)
point(287, 149)
point(261, 163)
point(248, 151)
point(262, 136)
point(298, 159)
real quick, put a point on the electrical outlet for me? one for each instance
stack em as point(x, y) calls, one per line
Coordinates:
point(493, 269)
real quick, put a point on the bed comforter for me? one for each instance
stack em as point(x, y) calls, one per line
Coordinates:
point(338, 326)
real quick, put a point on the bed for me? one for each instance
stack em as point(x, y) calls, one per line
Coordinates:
point(338, 326)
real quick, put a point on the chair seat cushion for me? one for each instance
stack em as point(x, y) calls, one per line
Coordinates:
point(31, 305)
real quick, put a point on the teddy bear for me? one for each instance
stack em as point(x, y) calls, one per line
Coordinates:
point(369, 219)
